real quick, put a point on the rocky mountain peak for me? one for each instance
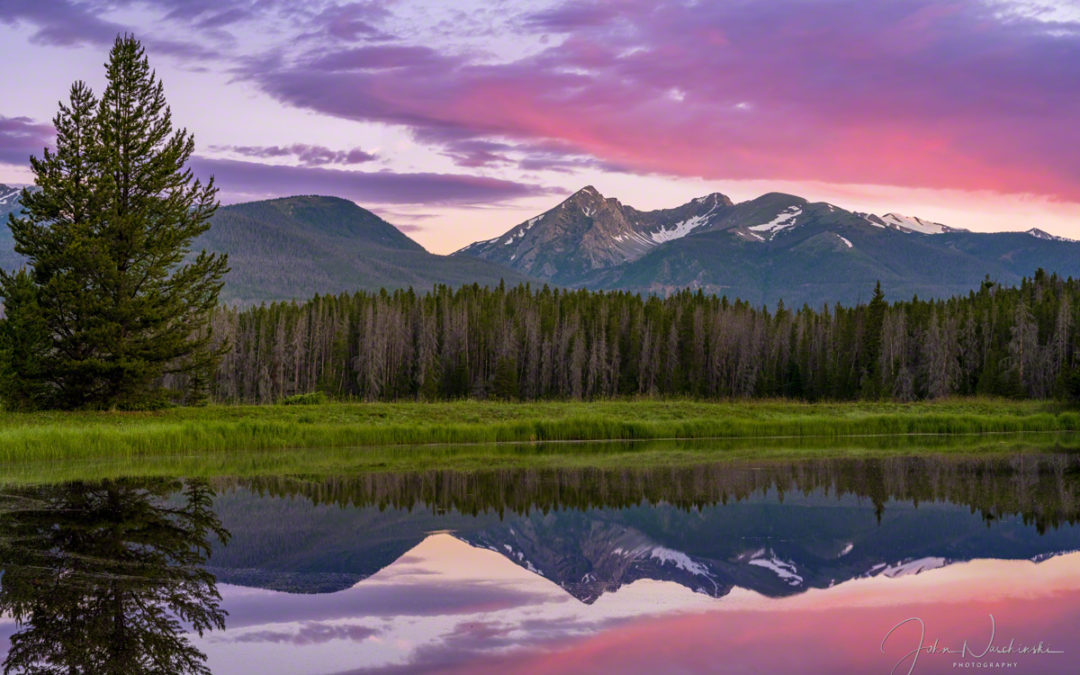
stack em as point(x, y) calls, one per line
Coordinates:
point(588, 200)
point(713, 198)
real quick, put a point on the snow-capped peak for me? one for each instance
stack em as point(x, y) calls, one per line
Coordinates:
point(1035, 232)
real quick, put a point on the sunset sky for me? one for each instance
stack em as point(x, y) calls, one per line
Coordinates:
point(457, 120)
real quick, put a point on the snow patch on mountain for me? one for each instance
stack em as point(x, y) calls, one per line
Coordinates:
point(846, 242)
point(685, 227)
point(8, 196)
point(521, 230)
point(782, 221)
point(680, 560)
point(914, 224)
point(909, 224)
point(785, 569)
point(634, 236)
point(907, 567)
point(681, 228)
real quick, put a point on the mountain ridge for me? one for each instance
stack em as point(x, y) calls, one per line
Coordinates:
point(774, 247)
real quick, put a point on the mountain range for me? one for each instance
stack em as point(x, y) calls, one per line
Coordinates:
point(775, 247)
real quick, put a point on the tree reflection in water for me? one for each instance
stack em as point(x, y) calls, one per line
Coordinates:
point(107, 577)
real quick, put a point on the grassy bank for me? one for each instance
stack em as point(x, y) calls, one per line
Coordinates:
point(332, 463)
point(44, 437)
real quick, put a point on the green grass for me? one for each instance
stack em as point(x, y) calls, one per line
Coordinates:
point(613, 455)
point(360, 427)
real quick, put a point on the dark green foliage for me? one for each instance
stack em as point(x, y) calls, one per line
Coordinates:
point(1040, 488)
point(521, 343)
point(104, 238)
point(24, 346)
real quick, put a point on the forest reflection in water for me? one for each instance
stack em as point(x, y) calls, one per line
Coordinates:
point(121, 575)
point(1042, 488)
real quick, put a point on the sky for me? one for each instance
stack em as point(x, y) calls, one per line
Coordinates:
point(458, 120)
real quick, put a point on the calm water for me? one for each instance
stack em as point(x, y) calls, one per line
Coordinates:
point(807, 567)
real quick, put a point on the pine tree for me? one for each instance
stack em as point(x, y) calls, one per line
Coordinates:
point(875, 321)
point(106, 237)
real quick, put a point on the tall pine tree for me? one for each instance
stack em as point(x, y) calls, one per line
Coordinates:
point(113, 299)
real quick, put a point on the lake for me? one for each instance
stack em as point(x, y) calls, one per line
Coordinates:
point(925, 564)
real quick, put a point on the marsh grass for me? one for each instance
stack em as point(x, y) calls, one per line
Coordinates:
point(615, 455)
point(361, 428)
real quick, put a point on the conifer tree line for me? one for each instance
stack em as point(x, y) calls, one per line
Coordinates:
point(524, 343)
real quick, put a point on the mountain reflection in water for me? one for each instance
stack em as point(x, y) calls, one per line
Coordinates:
point(798, 566)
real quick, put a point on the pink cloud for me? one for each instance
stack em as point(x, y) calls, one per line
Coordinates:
point(916, 94)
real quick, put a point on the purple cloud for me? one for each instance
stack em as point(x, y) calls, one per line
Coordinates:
point(307, 155)
point(311, 633)
point(65, 23)
point(354, 21)
point(21, 137)
point(477, 152)
point(240, 180)
point(60, 22)
point(378, 57)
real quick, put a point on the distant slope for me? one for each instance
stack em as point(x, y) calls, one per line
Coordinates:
point(9, 203)
point(775, 247)
point(297, 247)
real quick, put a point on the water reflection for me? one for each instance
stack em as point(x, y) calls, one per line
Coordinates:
point(108, 577)
point(753, 567)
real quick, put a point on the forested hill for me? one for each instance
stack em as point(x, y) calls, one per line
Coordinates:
point(297, 247)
